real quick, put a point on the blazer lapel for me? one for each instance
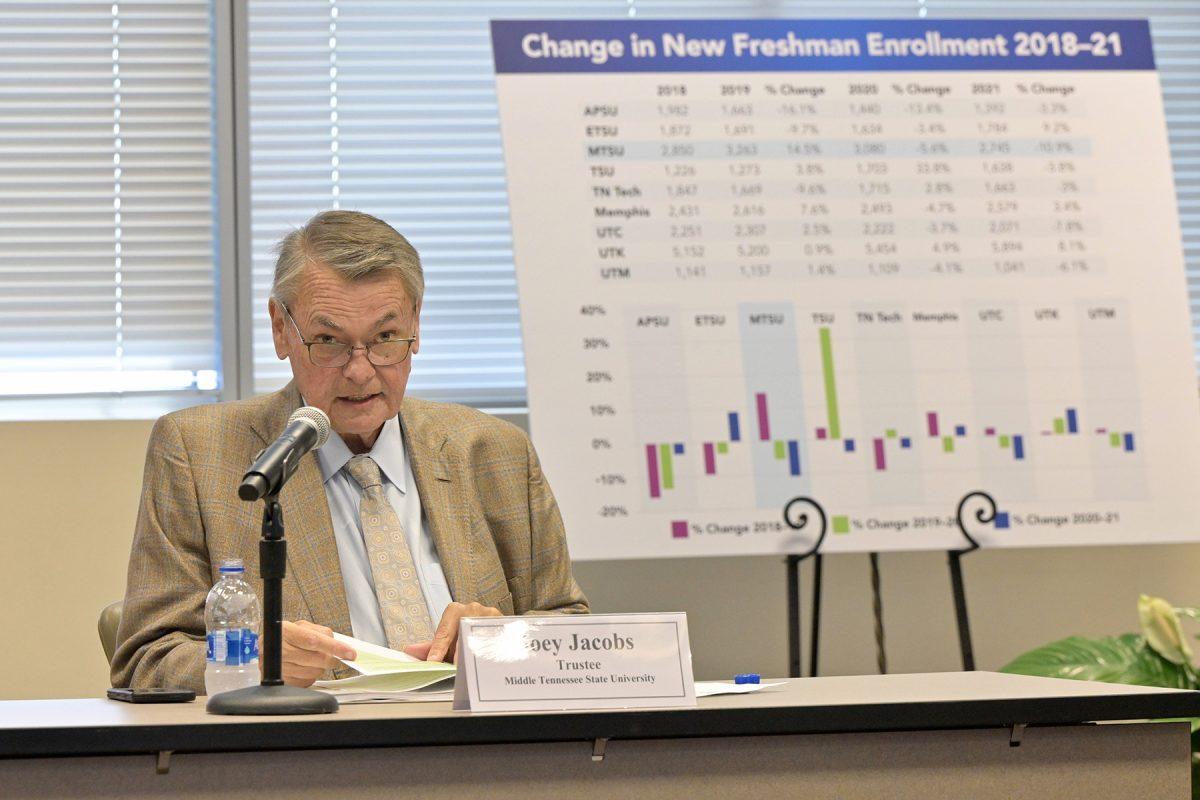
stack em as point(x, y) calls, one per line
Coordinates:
point(313, 566)
point(443, 500)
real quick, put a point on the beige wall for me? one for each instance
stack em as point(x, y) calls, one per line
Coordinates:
point(70, 498)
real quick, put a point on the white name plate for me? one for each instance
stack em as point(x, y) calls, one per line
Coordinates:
point(574, 661)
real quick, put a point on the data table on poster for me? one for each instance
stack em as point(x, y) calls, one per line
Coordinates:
point(879, 264)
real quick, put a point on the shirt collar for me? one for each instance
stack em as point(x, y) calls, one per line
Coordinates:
point(388, 453)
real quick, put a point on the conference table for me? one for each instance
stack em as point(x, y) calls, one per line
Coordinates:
point(963, 734)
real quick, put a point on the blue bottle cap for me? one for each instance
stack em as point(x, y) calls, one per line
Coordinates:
point(747, 677)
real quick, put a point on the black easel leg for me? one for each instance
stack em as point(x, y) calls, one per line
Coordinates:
point(816, 616)
point(793, 604)
point(877, 612)
point(960, 610)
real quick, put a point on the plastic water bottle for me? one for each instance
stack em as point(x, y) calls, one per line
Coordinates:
point(232, 617)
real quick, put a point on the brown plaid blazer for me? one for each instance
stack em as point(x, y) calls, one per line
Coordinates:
point(492, 516)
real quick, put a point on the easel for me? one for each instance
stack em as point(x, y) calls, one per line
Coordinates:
point(800, 512)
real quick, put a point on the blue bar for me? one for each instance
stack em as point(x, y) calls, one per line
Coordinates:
point(905, 442)
point(1129, 443)
point(735, 432)
point(1002, 520)
point(1072, 421)
point(794, 456)
point(678, 449)
point(849, 445)
point(1019, 447)
point(960, 430)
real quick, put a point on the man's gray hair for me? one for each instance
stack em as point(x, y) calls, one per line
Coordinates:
point(352, 244)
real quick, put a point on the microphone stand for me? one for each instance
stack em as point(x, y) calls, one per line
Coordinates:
point(272, 696)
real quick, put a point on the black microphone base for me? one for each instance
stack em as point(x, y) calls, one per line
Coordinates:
point(272, 701)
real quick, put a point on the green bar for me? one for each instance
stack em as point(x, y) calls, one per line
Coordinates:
point(1114, 439)
point(947, 444)
point(890, 433)
point(831, 403)
point(841, 524)
point(722, 447)
point(1060, 425)
point(668, 473)
point(1004, 441)
point(779, 451)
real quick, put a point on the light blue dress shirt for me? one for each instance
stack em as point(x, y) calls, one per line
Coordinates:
point(400, 487)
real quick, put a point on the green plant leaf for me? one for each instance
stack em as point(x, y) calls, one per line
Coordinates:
point(1111, 659)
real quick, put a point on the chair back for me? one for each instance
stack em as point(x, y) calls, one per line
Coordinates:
point(110, 618)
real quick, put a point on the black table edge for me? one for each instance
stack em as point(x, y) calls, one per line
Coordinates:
point(468, 729)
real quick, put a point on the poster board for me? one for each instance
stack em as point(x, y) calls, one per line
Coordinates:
point(876, 263)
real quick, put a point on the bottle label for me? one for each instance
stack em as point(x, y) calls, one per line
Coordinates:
point(232, 648)
point(249, 646)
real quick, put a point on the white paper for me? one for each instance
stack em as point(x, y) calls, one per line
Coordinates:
point(387, 675)
point(428, 694)
point(379, 660)
point(712, 688)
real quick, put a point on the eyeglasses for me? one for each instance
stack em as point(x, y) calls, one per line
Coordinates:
point(383, 353)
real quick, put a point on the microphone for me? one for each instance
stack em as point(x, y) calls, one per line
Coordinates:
point(307, 429)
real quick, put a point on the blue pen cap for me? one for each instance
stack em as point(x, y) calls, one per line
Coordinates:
point(747, 677)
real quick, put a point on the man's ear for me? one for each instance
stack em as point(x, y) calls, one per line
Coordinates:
point(278, 328)
point(416, 345)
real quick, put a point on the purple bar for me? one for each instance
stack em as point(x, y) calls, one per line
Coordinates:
point(679, 529)
point(880, 460)
point(710, 459)
point(931, 419)
point(822, 433)
point(989, 431)
point(652, 469)
point(1101, 430)
point(764, 425)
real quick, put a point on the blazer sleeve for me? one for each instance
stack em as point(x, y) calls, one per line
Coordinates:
point(553, 588)
point(161, 638)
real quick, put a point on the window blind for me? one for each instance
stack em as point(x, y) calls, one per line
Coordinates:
point(107, 271)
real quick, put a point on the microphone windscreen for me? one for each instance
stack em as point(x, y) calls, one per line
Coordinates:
point(316, 417)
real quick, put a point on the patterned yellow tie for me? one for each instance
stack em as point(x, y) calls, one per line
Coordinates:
point(401, 602)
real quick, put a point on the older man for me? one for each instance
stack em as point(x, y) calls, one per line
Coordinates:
point(413, 515)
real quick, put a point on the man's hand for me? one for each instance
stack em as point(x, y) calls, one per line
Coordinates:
point(445, 638)
point(309, 650)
